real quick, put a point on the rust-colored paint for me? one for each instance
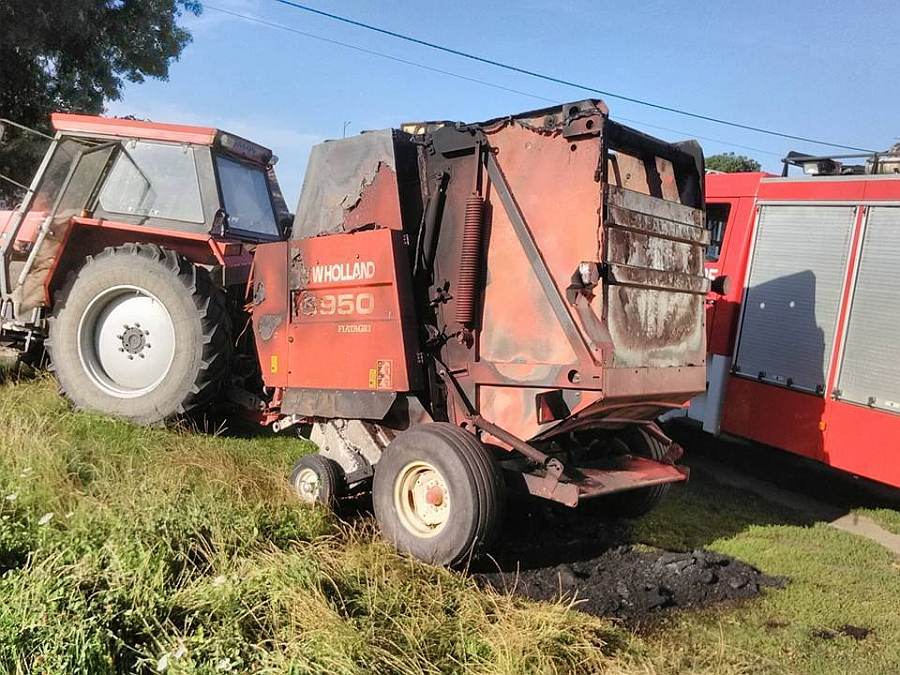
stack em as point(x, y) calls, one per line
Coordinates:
point(335, 312)
point(377, 204)
point(111, 126)
point(633, 331)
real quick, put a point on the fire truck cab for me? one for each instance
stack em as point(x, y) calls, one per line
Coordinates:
point(802, 341)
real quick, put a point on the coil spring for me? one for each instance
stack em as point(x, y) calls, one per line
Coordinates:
point(470, 261)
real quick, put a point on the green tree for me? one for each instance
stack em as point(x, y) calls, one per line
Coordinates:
point(74, 55)
point(728, 162)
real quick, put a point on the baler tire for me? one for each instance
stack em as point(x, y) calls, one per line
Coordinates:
point(639, 502)
point(472, 484)
point(195, 315)
point(330, 479)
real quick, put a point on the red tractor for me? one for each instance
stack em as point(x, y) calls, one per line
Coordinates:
point(128, 258)
point(462, 311)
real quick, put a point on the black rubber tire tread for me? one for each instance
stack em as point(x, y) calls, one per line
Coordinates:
point(471, 474)
point(636, 503)
point(330, 474)
point(205, 328)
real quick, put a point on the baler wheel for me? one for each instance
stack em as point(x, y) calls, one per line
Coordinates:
point(636, 503)
point(317, 480)
point(438, 494)
point(139, 332)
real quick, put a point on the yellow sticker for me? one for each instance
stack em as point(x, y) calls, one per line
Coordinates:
point(373, 378)
point(273, 363)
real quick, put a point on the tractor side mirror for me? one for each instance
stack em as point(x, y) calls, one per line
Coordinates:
point(220, 222)
point(721, 284)
point(287, 225)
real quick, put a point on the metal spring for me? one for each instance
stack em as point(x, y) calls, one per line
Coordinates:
point(470, 261)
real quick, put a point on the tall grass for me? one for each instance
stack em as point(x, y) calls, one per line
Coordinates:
point(124, 549)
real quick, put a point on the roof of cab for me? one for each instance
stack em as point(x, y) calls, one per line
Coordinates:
point(114, 126)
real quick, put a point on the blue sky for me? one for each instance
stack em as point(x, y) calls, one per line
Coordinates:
point(826, 69)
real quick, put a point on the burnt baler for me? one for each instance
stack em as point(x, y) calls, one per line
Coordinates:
point(471, 308)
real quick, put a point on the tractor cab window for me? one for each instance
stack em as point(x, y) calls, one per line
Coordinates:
point(716, 220)
point(245, 196)
point(155, 180)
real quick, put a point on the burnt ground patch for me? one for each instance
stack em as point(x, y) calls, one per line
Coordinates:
point(634, 584)
point(548, 554)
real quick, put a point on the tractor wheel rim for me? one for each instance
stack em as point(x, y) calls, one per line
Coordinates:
point(422, 499)
point(307, 485)
point(126, 341)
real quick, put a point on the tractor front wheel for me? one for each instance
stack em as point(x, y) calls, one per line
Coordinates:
point(140, 333)
point(438, 494)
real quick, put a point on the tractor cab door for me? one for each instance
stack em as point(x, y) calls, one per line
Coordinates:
point(57, 202)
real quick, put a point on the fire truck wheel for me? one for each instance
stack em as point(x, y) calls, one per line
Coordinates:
point(140, 333)
point(317, 480)
point(438, 494)
point(636, 503)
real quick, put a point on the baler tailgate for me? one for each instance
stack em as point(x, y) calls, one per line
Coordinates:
point(654, 242)
point(653, 261)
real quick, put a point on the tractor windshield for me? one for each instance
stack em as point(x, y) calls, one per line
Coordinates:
point(245, 196)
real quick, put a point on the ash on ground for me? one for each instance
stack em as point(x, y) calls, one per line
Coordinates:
point(631, 584)
point(555, 553)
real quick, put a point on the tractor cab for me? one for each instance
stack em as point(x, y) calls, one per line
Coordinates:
point(106, 181)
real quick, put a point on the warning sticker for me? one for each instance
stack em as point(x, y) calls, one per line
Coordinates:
point(273, 363)
point(384, 375)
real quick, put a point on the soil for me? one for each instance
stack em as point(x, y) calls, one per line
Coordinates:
point(563, 554)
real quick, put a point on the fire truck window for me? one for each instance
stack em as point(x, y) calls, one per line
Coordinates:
point(245, 193)
point(716, 220)
point(154, 180)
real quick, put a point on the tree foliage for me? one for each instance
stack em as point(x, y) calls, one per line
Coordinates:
point(728, 162)
point(74, 55)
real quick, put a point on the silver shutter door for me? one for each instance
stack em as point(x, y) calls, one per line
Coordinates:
point(793, 294)
point(870, 368)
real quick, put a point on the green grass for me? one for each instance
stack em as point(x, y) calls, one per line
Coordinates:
point(835, 579)
point(125, 549)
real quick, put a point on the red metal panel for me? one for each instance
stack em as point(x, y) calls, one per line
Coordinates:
point(103, 126)
point(270, 311)
point(723, 310)
point(863, 441)
point(351, 322)
point(726, 185)
point(883, 189)
point(829, 189)
point(846, 436)
point(775, 416)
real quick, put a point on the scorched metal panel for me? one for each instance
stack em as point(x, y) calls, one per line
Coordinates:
point(793, 294)
point(870, 368)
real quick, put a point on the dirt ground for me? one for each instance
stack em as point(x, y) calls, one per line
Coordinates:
point(547, 554)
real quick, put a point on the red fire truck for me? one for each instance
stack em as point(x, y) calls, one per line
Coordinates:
point(804, 317)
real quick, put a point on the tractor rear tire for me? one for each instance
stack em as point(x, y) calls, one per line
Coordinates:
point(438, 494)
point(639, 502)
point(140, 333)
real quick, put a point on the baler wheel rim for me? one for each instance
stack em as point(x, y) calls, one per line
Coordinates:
point(475, 492)
point(317, 480)
point(422, 499)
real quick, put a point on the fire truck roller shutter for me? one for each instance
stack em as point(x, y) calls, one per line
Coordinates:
point(793, 294)
point(870, 369)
